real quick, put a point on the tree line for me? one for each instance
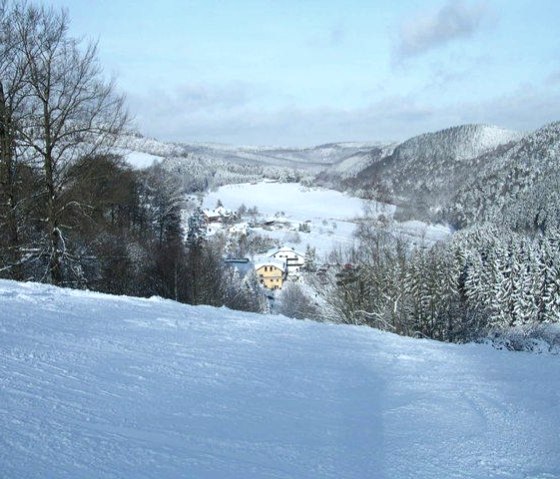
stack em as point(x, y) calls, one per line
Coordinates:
point(485, 280)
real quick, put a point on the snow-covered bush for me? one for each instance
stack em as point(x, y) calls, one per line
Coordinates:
point(536, 338)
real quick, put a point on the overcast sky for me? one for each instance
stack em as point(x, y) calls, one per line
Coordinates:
point(304, 72)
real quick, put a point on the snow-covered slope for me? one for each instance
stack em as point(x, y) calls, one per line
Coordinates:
point(151, 146)
point(331, 216)
point(458, 143)
point(354, 164)
point(518, 185)
point(310, 159)
point(99, 386)
point(141, 152)
point(134, 145)
point(423, 172)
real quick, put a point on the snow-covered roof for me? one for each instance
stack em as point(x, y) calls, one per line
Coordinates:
point(287, 249)
point(278, 264)
point(219, 211)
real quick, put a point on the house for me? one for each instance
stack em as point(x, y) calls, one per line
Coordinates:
point(218, 215)
point(294, 261)
point(271, 274)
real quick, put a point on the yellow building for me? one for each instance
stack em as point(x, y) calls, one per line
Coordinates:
point(271, 274)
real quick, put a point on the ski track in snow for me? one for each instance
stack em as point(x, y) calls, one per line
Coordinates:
point(94, 385)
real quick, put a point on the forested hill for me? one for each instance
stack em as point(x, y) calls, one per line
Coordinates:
point(462, 175)
point(466, 175)
point(312, 159)
point(204, 166)
point(424, 171)
point(519, 186)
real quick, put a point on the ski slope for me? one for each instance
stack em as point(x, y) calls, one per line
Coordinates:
point(99, 386)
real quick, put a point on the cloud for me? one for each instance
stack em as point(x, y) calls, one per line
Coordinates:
point(236, 114)
point(248, 123)
point(524, 109)
point(553, 78)
point(193, 98)
point(454, 20)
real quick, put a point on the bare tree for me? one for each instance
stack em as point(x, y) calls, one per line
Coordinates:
point(294, 303)
point(71, 111)
point(12, 97)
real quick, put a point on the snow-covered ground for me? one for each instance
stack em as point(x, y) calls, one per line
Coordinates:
point(139, 159)
point(298, 202)
point(99, 386)
point(332, 214)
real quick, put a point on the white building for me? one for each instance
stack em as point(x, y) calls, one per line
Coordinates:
point(294, 261)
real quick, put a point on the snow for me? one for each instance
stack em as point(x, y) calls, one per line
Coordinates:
point(139, 159)
point(281, 265)
point(353, 165)
point(419, 232)
point(299, 202)
point(331, 214)
point(93, 385)
point(460, 142)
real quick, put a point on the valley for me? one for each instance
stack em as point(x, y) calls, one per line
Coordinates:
point(440, 194)
point(279, 240)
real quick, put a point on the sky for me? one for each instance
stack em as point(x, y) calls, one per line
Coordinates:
point(307, 72)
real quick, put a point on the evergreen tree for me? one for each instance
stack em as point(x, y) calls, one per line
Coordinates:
point(310, 259)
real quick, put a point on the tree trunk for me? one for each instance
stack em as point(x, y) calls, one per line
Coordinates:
point(8, 183)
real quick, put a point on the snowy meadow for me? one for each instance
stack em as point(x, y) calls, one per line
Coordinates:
point(332, 216)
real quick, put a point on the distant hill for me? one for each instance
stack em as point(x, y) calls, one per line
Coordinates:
point(206, 165)
point(518, 185)
point(310, 159)
point(353, 165)
point(462, 175)
point(421, 173)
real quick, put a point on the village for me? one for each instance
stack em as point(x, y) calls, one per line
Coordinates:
point(249, 249)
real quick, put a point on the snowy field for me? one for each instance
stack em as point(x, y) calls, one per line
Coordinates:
point(112, 387)
point(298, 202)
point(138, 159)
point(332, 214)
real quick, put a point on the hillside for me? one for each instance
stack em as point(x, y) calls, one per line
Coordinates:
point(458, 143)
point(346, 170)
point(205, 166)
point(518, 185)
point(315, 158)
point(424, 171)
point(461, 175)
point(102, 386)
point(308, 159)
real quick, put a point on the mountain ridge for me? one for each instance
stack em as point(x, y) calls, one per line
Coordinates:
point(461, 174)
